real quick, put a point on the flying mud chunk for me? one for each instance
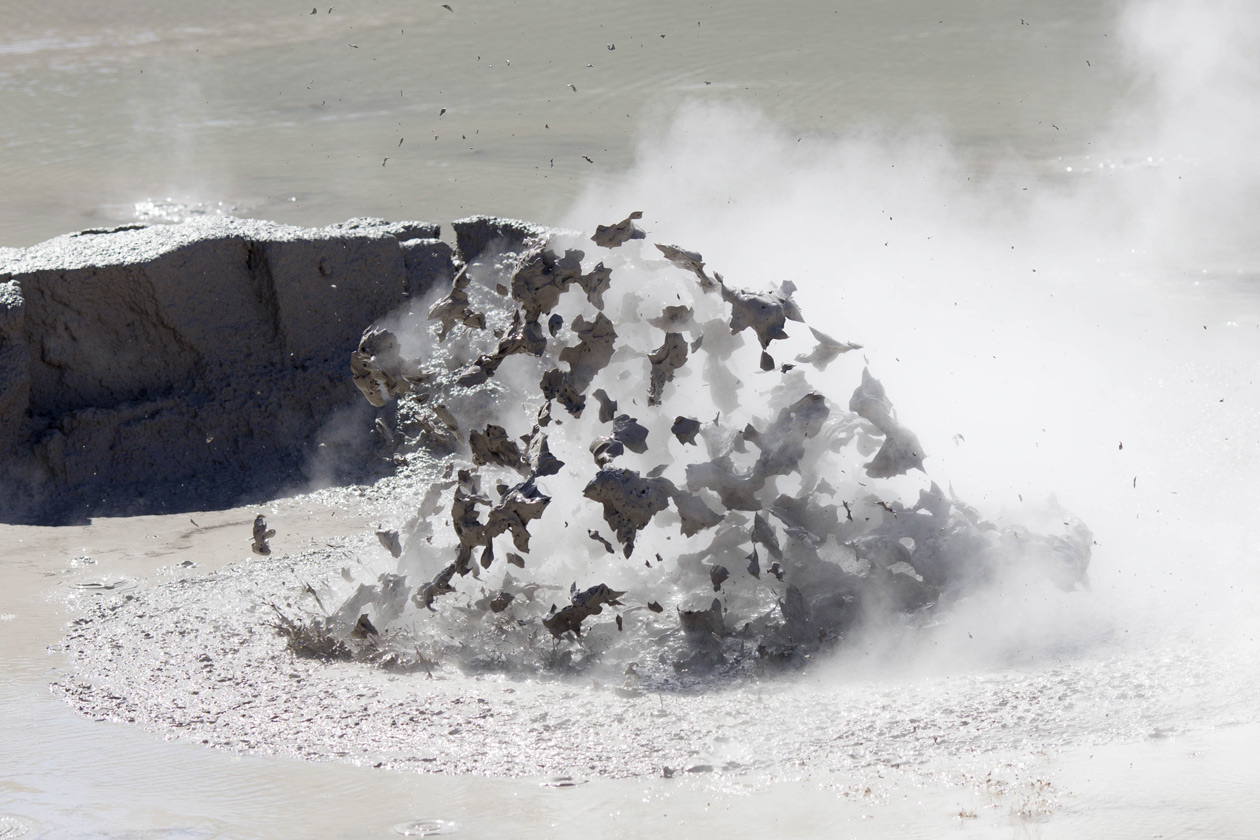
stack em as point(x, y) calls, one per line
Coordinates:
point(826, 351)
point(497, 603)
point(519, 506)
point(378, 369)
point(583, 605)
point(664, 361)
point(901, 451)
point(685, 429)
point(440, 585)
point(556, 385)
point(718, 575)
point(627, 434)
point(614, 236)
point(607, 405)
point(701, 624)
point(675, 319)
point(538, 457)
point(261, 534)
point(594, 350)
point(738, 491)
point(764, 534)
point(542, 278)
point(764, 313)
point(783, 442)
point(391, 542)
point(630, 501)
point(933, 501)
point(628, 431)
point(599, 538)
point(695, 515)
point(595, 283)
point(448, 421)
point(466, 521)
point(525, 337)
point(493, 446)
point(363, 628)
point(455, 308)
point(754, 564)
point(688, 261)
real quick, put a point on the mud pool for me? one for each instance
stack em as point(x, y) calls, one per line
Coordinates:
point(1038, 222)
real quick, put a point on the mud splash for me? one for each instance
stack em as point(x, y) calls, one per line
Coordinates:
point(623, 482)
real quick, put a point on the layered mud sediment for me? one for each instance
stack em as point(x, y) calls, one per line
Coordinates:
point(155, 368)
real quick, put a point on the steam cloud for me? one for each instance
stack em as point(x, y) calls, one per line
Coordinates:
point(1036, 323)
point(1080, 327)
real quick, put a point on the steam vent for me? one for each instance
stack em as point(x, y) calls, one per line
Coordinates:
point(608, 453)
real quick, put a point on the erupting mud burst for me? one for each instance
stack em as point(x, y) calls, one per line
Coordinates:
point(609, 432)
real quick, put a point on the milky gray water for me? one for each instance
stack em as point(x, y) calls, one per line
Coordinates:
point(1037, 216)
point(266, 109)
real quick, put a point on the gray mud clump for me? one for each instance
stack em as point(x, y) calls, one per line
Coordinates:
point(753, 482)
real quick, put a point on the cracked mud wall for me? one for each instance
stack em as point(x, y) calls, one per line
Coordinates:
point(151, 369)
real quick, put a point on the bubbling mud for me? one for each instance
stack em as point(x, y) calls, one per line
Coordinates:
point(611, 475)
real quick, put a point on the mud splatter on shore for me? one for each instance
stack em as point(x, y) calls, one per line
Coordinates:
point(195, 659)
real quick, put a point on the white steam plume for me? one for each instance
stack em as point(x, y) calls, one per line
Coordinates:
point(1073, 333)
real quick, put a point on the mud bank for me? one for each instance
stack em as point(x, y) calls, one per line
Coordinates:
point(148, 369)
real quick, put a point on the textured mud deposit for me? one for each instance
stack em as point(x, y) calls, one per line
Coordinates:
point(146, 369)
point(195, 659)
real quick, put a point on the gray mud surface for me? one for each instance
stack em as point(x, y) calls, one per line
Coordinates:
point(196, 659)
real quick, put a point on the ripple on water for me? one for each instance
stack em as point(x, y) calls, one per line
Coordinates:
point(563, 782)
point(425, 828)
point(103, 585)
point(13, 827)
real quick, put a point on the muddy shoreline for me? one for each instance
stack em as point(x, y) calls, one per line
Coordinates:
point(194, 657)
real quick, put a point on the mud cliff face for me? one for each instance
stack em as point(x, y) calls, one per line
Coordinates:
point(150, 369)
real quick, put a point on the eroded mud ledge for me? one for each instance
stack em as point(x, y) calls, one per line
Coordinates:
point(149, 369)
